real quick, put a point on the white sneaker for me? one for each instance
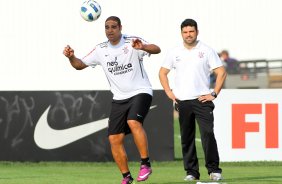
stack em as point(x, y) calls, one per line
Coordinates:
point(190, 178)
point(216, 176)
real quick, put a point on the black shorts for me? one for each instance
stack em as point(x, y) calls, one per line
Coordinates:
point(134, 108)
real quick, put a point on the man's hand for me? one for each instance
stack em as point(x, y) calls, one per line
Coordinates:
point(206, 98)
point(68, 52)
point(137, 44)
point(171, 96)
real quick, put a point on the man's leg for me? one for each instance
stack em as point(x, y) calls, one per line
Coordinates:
point(140, 139)
point(118, 152)
point(205, 120)
point(187, 131)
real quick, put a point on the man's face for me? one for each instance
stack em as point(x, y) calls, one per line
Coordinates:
point(189, 35)
point(113, 31)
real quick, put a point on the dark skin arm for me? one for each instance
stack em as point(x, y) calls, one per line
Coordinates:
point(74, 61)
point(150, 48)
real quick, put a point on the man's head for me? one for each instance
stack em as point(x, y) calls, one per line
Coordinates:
point(224, 55)
point(189, 32)
point(113, 29)
point(189, 22)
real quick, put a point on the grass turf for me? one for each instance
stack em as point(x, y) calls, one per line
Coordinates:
point(163, 172)
point(101, 173)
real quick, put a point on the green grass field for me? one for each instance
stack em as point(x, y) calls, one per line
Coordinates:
point(163, 172)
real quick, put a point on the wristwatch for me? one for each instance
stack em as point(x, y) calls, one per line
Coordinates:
point(214, 94)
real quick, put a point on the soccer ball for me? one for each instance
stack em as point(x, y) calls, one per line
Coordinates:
point(90, 10)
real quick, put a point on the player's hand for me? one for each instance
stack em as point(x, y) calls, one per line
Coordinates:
point(171, 96)
point(68, 52)
point(206, 98)
point(137, 44)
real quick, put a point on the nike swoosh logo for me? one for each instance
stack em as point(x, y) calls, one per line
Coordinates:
point(145, 175)
point(46, 137)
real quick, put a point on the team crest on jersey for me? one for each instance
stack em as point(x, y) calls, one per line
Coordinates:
point(125, 50)
point(201, 54)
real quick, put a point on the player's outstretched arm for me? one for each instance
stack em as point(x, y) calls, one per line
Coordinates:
point(150, 48)
point(75, 62)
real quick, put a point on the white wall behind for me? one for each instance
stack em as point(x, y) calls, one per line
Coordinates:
point(34, 32)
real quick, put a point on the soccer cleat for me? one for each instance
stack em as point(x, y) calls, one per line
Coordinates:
point(190, 178)
point(144, 173)
point(215, 176)
point(127, 180)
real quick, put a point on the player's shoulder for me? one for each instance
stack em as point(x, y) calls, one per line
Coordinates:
point(207, 49)
point(204, 46)
point(176, 49)
point(102, 45)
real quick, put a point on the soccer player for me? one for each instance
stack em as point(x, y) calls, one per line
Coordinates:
point(193, 62)
point(121, 58)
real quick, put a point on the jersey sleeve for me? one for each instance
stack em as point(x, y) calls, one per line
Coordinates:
point(168, 61)
point(214, 60)
point(92, 59)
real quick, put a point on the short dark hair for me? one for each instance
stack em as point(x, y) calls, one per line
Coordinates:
point(114, 18)
point(189, 22)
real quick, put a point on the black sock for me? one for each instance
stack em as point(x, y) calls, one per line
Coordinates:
point(127, 174)
point(146, 161)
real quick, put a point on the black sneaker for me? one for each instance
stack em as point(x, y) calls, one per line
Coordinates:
point(127, 180)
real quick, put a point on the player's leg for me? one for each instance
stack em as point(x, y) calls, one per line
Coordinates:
point(116, 131)
point(118, 151)
point(205, 119)
point(140, 137)
point(139, 108)
point(187, 131)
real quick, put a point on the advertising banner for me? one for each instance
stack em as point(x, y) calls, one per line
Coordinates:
point(248, 124)
point(72, 126)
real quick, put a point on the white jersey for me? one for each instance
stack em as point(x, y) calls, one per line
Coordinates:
point(192, 70)
point(123, 66)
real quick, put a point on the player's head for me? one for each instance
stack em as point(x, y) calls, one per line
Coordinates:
point(113, 29)
point(189, 22)
point(114, 18)
point(189, 31)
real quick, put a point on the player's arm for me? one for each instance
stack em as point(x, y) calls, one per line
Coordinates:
point(74, 61)
point(150, 48)
point(165, 83)
point(220, 74)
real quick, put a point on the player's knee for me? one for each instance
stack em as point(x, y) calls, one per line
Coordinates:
point(133, 124)
point(116, 139)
